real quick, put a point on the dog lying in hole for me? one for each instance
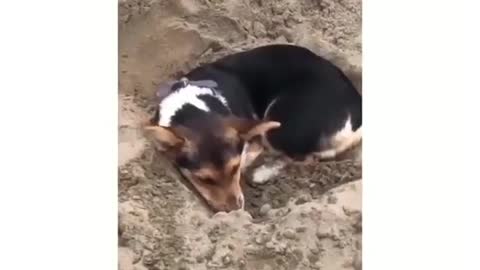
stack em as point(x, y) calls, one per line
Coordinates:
point(215, 121)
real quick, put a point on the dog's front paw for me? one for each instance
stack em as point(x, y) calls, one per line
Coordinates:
point(264, 173)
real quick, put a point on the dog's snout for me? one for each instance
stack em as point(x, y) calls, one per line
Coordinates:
point(236, 202)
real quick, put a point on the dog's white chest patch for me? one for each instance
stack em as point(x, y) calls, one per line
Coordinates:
point(343, 134)
point(186, 95)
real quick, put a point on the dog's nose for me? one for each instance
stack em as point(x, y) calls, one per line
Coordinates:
point(236, 202)
point(240, 202)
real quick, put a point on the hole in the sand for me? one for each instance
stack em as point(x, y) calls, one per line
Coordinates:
point(273, 184)
point(278, 184)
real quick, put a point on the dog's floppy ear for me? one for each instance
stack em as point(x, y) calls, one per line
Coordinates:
point(165, 138)
point(249, 128)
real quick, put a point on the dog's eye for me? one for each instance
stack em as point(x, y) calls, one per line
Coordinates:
point(207, 180)
point(186, 162)
point(239, 146)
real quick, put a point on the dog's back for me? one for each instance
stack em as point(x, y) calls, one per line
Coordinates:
point(319, 108)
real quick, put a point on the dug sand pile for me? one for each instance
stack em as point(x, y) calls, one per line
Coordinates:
point(297, 216)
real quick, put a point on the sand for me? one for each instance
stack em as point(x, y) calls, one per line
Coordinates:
point(297, 216)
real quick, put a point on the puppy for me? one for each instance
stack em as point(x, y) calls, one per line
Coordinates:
point(213, 123)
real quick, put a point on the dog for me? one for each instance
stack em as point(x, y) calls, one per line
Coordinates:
point(220, 116)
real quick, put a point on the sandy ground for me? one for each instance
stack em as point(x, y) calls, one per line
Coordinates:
point(298, 216)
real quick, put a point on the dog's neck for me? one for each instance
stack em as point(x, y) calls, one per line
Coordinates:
point(190, 101)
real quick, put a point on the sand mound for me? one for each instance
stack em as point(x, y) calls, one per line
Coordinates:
point(303, 216)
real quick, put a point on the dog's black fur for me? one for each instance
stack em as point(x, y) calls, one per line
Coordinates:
point(314, 98)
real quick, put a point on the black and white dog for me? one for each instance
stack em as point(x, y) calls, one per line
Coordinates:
point(216, 120)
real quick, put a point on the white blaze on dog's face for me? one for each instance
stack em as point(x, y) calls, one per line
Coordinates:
point(213, 156)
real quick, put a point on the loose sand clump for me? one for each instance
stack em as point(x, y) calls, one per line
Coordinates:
point(298, 216)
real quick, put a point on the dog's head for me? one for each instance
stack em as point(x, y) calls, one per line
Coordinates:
point(212, 153)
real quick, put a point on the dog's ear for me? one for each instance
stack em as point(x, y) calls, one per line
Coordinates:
point(166, 138)
point(248, 128)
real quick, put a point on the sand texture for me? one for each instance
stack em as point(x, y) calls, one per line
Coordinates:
point(297, 216)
